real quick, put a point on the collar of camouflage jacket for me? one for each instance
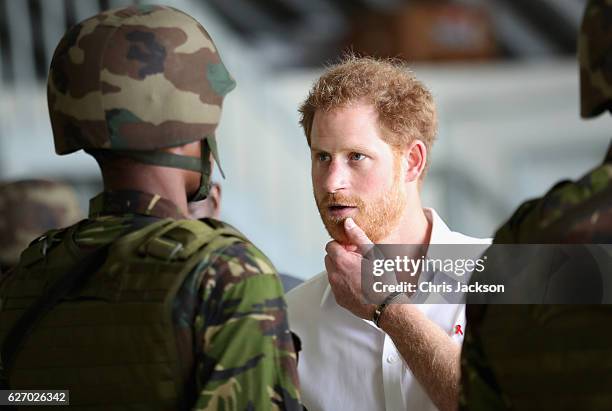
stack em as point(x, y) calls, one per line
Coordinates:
point(134, 202)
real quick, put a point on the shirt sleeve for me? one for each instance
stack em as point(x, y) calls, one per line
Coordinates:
point(247, 358)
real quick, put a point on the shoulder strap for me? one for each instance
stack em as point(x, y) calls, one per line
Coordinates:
point(74, 278)
point(181, 239)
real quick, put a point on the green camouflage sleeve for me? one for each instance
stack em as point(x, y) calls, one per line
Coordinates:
point(479, 388)
point(570, 212)
point(248, 361)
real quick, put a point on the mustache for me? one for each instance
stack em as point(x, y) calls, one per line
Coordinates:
point(336, 199)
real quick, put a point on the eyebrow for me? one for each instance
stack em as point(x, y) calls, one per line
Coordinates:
point(353, 149)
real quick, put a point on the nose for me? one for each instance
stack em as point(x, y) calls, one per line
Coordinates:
point(335, 177)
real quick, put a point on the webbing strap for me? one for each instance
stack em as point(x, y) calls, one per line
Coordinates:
point(161, 158)
point(212, 143)
point(206, 170)
point(165, 159)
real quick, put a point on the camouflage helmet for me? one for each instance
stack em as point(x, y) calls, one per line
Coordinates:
point(595, 55)
point(28, 208)
point(134, 80)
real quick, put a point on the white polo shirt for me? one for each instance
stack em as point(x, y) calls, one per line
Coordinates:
point(348, 363)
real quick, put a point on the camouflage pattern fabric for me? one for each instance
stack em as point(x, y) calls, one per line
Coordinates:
point(247, 347)
point(229, 315)
point(28, 208)
point(137, 78)
point(243, 355)
point(571, 212)
point(552, 357)
point(545, 357)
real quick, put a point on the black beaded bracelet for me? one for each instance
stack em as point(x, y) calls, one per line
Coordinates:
point(381, 307)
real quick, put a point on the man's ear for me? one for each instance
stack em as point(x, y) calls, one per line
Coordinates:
point(414, 160)
point(211, 207)
point(214, 197)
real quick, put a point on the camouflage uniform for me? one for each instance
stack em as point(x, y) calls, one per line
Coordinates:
point(552, 357)
point(28, 208)
point(226, 343)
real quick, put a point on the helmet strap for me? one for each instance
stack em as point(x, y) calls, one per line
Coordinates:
point(164, 159)
point(206, 172)
point(161, 158)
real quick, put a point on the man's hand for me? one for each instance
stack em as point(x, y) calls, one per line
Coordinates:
point(343, 265)
point(427, 349)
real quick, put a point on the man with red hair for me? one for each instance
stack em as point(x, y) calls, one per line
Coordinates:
point(370, 125)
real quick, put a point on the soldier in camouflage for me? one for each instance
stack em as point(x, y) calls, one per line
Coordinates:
point(137, 306)
point(28, 208)
point(552, 357)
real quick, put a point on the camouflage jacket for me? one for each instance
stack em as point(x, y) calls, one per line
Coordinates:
point(545, 357)
point(248, 365)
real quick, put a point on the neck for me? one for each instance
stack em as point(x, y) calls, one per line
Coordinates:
point(413, 228)
point(166, 182)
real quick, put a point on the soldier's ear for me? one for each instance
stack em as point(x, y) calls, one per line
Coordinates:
point(214, 196)
point(414, 158)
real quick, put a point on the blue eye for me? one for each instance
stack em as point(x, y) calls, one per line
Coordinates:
point(357, 156)
point(323, 156)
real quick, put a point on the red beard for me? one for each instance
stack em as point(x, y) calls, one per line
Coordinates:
point(376, 218)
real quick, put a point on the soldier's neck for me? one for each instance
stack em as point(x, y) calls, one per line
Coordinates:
point(168, 183)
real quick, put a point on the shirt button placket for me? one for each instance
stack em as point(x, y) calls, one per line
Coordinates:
point(392, 377)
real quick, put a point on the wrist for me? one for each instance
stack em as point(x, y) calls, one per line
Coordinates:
point(380, 309)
